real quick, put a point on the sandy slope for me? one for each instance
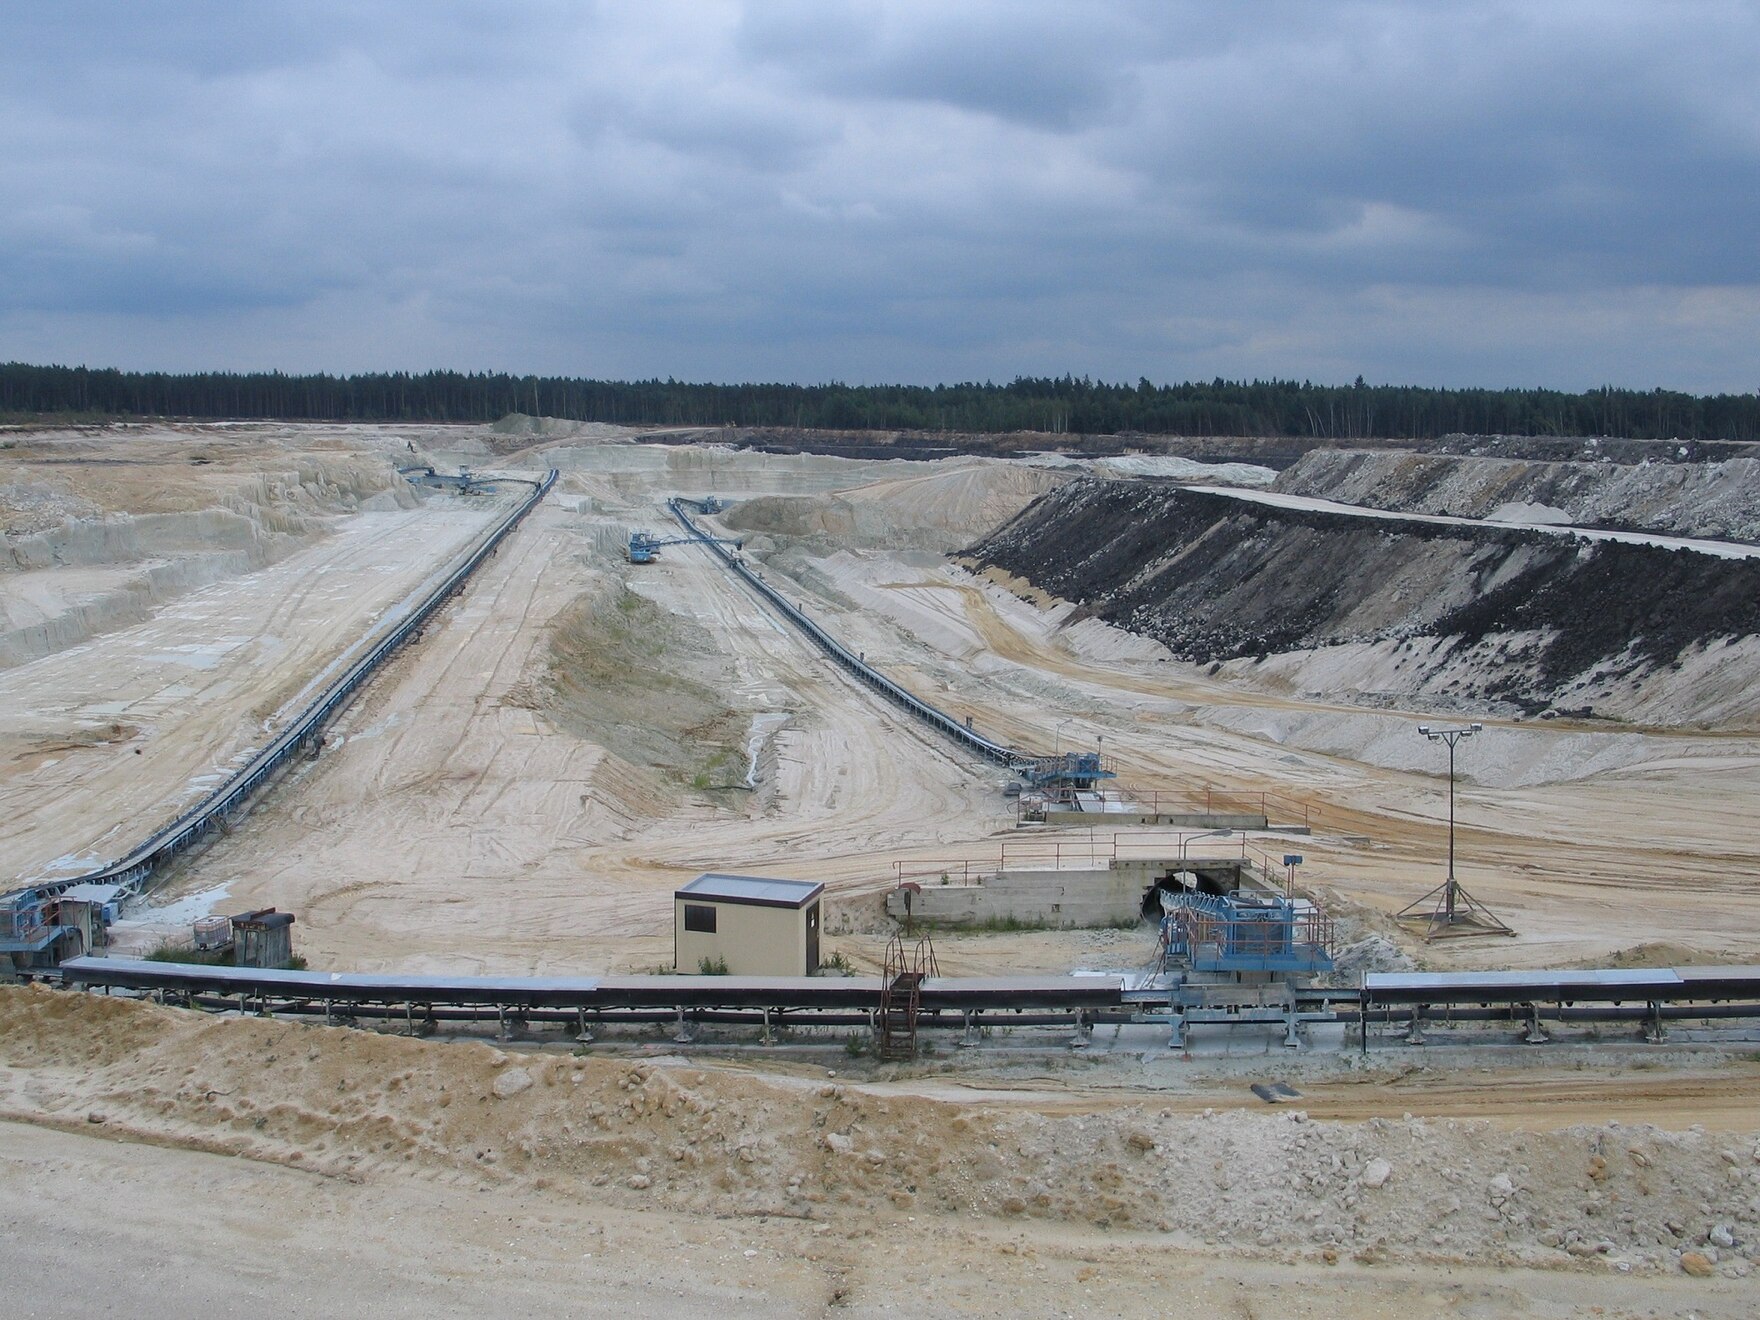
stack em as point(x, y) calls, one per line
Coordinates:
point(105, 742)
point(1715, 499)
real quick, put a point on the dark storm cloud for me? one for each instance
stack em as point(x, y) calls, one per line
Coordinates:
point(1475, 193)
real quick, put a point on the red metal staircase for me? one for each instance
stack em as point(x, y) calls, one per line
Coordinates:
point(901, 991)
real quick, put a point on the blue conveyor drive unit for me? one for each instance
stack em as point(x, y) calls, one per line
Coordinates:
point(644, 547)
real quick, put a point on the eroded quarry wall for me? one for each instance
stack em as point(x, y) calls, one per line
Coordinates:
point(89, 543)
point(1720, 500)
point(1534, 622)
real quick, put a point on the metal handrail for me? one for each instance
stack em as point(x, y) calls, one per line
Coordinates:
point(1208, 799)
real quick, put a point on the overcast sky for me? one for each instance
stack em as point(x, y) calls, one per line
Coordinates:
point(1490, 194)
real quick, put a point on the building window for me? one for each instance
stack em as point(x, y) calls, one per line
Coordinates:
point(699, 918)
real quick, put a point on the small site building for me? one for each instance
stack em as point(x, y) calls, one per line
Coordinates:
point(263, 938)
point(752, 925)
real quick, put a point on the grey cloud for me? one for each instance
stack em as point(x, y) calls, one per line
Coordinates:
point(745, 127)
point(888, 190)
point(1052, 66)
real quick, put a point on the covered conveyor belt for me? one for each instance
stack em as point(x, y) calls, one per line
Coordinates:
point(870, 677)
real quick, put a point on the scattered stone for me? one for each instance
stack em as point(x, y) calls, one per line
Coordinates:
point(639, 1182)
point(1376, 1173)
point(1696, 1264)
point(1721, 1236)
point(1377, 953)
point(511, 1082)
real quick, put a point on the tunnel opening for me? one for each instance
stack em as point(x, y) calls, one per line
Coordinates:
point(1215, 878)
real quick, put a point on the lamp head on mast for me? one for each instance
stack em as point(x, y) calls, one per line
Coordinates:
point(1450, 735)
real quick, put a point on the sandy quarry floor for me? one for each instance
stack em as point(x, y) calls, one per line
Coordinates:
point(480, 809)
point(458, 776)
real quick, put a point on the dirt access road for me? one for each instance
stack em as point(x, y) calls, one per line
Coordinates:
point(309, 1246)
point(304, 1245)
point(1699, 545)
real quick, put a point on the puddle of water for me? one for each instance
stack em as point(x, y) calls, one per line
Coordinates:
point(182, 911)
point(763, 726)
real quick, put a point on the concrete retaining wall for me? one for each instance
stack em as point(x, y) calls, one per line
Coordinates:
point(1181, 820)
point(1103, 896)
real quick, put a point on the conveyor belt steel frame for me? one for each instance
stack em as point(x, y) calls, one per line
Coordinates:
point(1603, 995)
point(796, 994)
point(951, 1002)
point(864, 673)
point(137, 866)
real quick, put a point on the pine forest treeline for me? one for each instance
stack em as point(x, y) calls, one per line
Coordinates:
point(1066, 404)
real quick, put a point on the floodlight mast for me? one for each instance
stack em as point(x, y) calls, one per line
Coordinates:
point(1448, 909)
point(1452, 737)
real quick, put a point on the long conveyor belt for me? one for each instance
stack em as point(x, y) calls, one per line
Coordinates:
point(135, 866)
point(865, 673)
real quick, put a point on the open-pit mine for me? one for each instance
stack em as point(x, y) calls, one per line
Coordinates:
point(596, 871)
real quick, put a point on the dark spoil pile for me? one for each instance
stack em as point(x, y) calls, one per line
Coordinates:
point(1213, 578)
